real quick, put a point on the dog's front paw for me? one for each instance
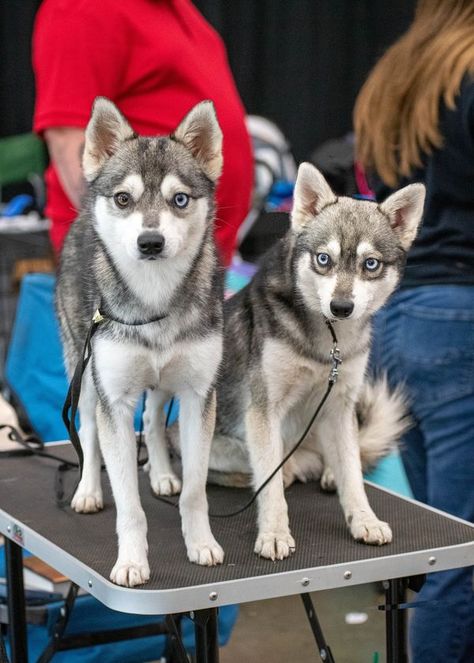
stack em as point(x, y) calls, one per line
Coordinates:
point(328, 482)
point(207, 553)
point(87, 502)
point(370, 529)
point(165, 484)
point(275, 545)
point(130, 574)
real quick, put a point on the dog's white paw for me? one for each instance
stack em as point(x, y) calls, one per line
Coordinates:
point(209, 553)
point(87, 502)
point(130, 574)
point(275, 545)
point(328, 482)
point(165, 484)
point(370, 529)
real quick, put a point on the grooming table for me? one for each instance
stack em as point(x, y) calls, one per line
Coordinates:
point(84, 547)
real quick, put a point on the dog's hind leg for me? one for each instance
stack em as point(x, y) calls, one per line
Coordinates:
point(197, 420)
point(304, 465)
point(162, 478)
point(88, 496)
point(328, 480)
point(265, 447)
point(338, 435)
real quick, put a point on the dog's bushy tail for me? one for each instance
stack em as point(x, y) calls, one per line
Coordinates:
point(382, 415)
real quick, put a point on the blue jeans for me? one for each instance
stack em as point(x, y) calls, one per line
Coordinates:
point(424, 338)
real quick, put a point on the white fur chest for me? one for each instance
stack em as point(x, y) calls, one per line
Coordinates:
point(295, 384)
point(289, 376)
point(126, 370)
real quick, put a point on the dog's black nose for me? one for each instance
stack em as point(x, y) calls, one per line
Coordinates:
point(150, 244)
point(341, 308)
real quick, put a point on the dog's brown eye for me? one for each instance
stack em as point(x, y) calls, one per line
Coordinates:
point(122, 199)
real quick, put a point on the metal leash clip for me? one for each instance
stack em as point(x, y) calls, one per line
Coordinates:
point(336, 358)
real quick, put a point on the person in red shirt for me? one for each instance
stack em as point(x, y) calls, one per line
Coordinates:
point(155, 59)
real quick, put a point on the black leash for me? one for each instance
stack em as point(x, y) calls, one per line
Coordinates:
point(335, 354)
point(73, 394)
point(32, 445)
point(71, 403)
point(336, 359)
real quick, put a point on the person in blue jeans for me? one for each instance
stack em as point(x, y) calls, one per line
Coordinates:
point(414, 121)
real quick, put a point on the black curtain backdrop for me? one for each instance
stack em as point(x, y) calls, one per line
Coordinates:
point(297, 62)
point(302, 62)
point(16, 75)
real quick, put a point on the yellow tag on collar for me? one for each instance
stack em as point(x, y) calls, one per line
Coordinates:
point(97, 317)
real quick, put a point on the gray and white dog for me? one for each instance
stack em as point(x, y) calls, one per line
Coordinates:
point(143, 248)
point(340, 261)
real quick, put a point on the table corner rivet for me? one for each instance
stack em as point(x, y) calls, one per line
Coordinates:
point(431, 560)
point(305, 582)
point(213, 596)
point(347, 575)
point(90, 583)
point(9, 528)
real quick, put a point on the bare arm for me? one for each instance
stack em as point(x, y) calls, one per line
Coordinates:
point(65, 148)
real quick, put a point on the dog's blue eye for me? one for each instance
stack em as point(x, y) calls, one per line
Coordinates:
point(323, 259)
point(372, 264)
point(181, 200)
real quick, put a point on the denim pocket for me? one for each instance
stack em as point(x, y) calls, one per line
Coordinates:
point(437, 352)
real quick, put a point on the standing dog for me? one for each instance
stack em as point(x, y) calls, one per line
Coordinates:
point(340, 261)
point(142, 251)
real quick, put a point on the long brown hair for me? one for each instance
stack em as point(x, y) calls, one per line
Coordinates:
point(396, 112)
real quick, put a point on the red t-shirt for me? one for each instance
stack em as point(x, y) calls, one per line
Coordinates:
point(155, 59)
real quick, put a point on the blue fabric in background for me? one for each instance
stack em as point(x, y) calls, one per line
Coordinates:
point(390, 474)
point(34, 368)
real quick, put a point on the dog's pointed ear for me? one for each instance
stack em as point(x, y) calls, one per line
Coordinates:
point(311, 194)
point(200, 132)
point(107, 128)
point(404, 209)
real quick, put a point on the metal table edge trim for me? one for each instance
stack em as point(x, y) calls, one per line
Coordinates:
point(242, 590)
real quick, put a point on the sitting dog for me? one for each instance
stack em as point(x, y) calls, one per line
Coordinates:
point(340, 261)
point(142, 252)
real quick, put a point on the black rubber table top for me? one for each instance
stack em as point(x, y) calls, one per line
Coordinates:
point(27, 494)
